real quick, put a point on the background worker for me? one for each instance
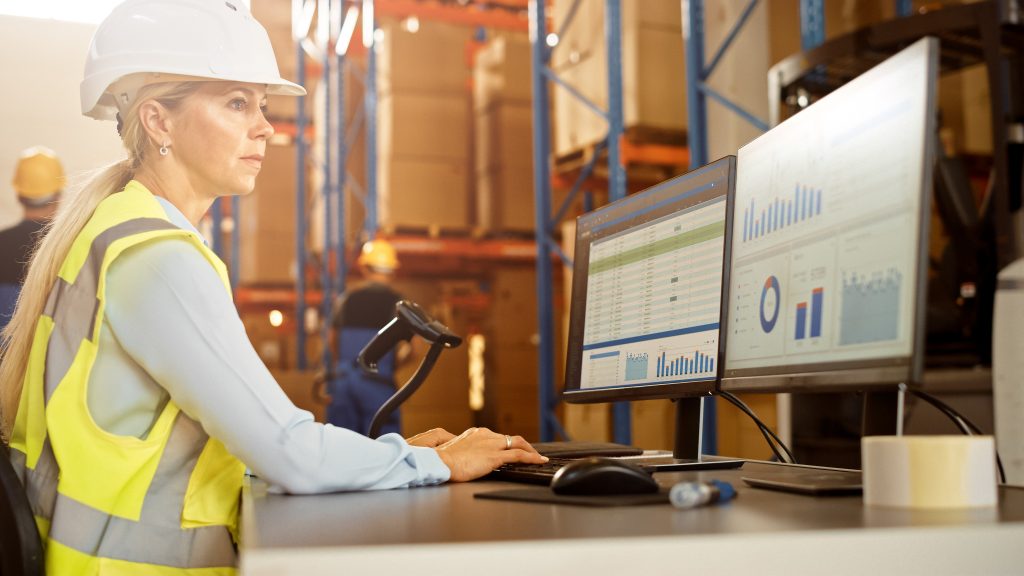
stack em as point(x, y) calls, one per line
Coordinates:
point(38, 182)
point(358, 315)
point(130, 395)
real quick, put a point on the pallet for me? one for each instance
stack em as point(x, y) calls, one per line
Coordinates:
point(653, 135)
point(577, 159)
point(508, 234)
point(653, 170)
point(638, 175)
point(432, 230)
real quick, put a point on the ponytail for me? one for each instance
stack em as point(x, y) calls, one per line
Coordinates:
point(74, 211)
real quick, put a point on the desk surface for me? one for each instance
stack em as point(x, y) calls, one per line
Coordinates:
point(445, 527)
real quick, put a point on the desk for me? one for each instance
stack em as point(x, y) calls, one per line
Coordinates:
point(443, 529)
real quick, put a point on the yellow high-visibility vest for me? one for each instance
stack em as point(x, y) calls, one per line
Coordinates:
point(105, 503)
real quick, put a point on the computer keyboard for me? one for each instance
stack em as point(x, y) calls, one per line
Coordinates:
point(530, 473)
point(560, 454)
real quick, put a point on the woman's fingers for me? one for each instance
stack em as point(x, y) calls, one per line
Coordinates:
point(520, 455)
point(431, 438)
point(519, 443)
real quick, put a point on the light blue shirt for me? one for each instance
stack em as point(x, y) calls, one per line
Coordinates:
point(171, 332)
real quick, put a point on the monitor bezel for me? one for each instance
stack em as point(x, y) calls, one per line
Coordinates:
point(571, 392)
point(874, 373)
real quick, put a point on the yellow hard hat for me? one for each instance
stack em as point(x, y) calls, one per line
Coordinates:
point(379, 255)
point(38, 175)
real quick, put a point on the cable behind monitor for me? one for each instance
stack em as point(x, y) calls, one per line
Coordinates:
point(767, 432)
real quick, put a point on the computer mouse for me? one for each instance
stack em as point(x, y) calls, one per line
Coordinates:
point(602, 476)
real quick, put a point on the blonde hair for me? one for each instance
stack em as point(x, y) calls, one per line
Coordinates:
point(74, 212)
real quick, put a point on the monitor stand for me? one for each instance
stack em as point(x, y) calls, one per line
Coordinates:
point(686, 455)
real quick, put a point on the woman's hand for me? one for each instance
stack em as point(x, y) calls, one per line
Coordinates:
point(478, 451)
point(431, 438)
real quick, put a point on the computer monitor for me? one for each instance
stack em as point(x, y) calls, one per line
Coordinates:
point(647, 298)
point(830, 238)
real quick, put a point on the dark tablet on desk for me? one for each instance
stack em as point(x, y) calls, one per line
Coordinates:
point(581, 449)
point(810, 482)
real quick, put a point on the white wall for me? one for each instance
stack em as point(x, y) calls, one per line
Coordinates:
point(41, 62)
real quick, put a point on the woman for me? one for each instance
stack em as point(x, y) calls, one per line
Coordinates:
point(131, 397)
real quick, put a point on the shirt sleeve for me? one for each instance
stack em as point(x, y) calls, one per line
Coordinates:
point(169, 309)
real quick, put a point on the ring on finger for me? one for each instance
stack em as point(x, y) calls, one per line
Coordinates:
point(508, 442)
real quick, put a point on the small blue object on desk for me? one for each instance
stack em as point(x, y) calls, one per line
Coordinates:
point(693, 494)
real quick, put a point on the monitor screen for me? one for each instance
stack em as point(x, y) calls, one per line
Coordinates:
point(647, 291)
point(829, 237)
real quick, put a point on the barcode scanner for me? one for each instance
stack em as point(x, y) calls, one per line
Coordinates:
point(410, 320)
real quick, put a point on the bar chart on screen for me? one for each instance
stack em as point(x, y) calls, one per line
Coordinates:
point(802, 205)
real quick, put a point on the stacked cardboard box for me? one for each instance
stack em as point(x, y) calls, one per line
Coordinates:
point(423, 127)
point(503, 124)
point(653, 73)
point(267, 220)
point(502, 102)
point(511, 357)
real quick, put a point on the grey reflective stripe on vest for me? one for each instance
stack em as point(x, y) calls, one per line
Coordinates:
point(40, 482)
point(73, 307)
point(157, 537)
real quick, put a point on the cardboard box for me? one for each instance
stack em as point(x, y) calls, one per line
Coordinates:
point(505, 200)
point(504, 137)
point(653, 83)
point(267, 222)
point(431, 59)
point(504, 167)
point(510, 390)
point(502, 72)
point(424, 126)
point(422, 193)
point(512, 321)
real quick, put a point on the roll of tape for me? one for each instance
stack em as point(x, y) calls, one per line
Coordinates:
point(929, 472)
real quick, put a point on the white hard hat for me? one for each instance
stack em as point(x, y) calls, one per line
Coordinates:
point(146, 41)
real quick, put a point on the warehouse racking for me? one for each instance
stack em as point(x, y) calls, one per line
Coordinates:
point(330, 50)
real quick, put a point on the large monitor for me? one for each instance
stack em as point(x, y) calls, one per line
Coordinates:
point(829, 237)
point(647, 297)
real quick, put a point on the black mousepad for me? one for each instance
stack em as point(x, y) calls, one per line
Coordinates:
point(544, 495)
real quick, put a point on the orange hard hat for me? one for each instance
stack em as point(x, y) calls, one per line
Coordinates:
point(38, 175)
point(379, 256)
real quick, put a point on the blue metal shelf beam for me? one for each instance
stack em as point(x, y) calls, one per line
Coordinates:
point(540, 57)
point(544, 224)
point(812, 23)
point(337, 140)
point(300, 196)
point(330, 128)
point(697, 74)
